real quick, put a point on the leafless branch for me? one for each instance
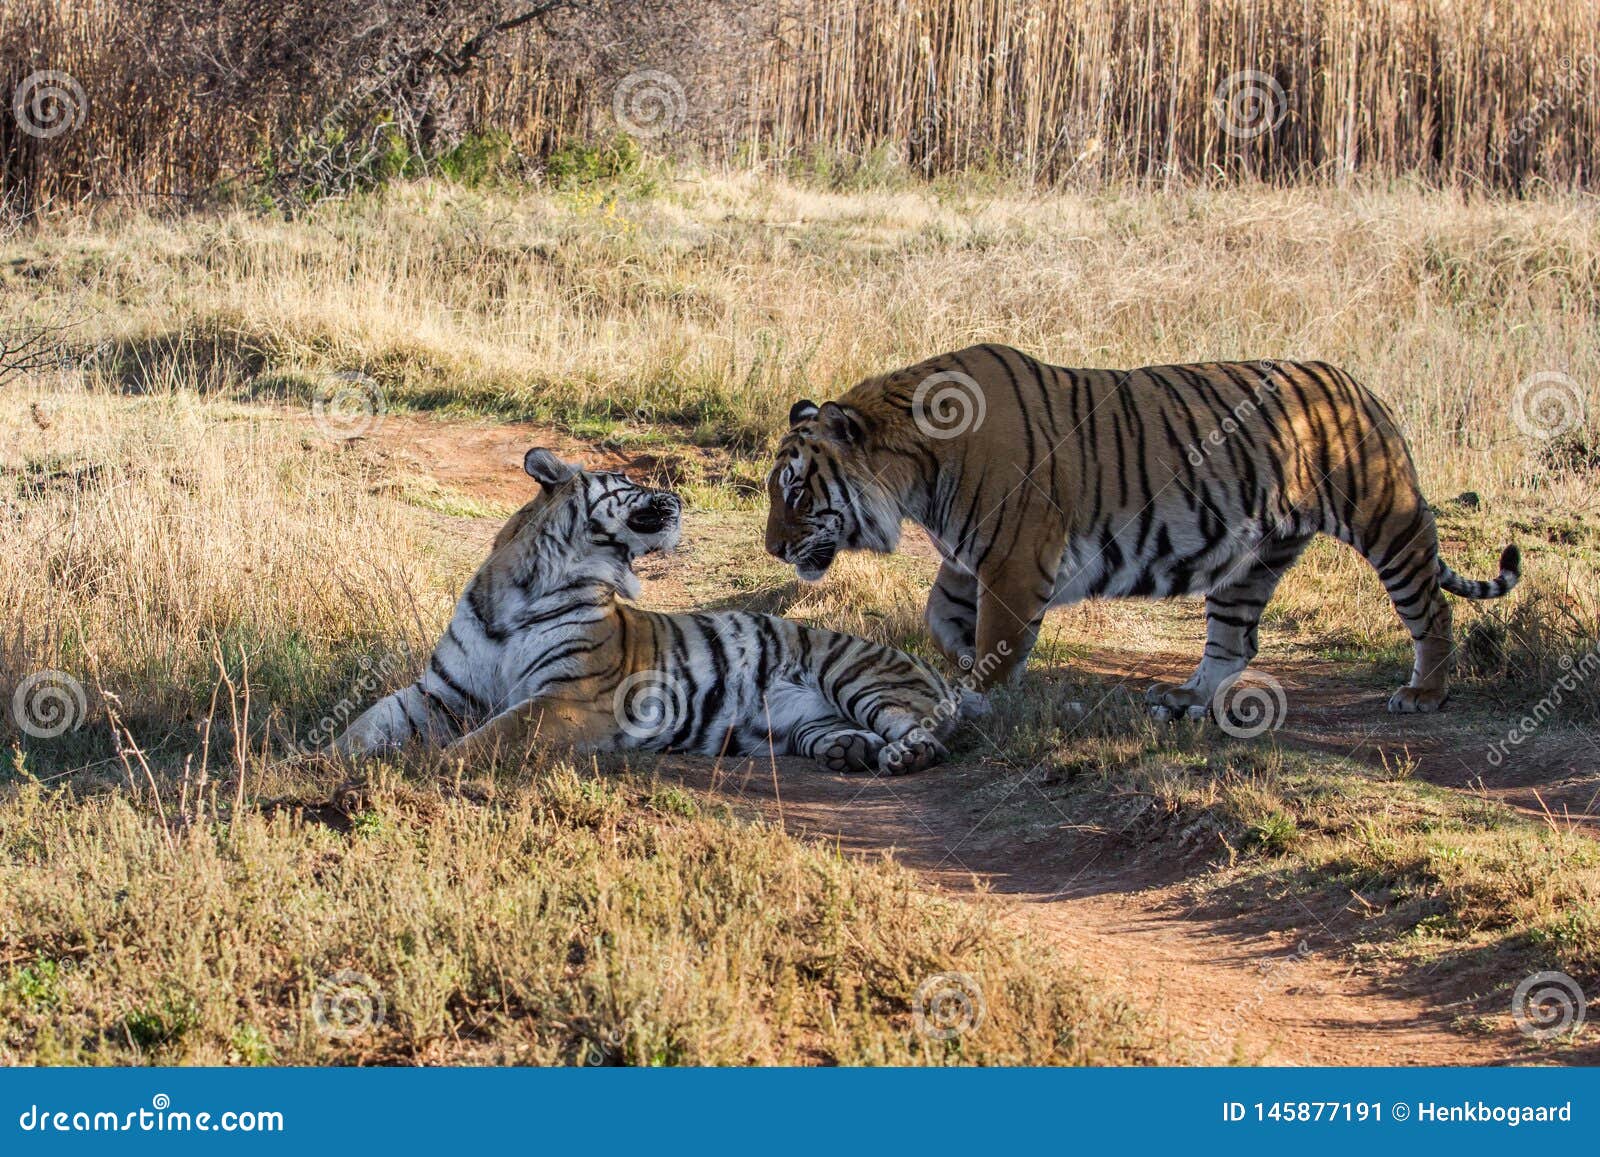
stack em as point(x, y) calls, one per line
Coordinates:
point(28, 349)
point(464, 56)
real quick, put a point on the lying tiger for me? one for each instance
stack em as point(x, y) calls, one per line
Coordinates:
point(1042, 486)
point(543, 649)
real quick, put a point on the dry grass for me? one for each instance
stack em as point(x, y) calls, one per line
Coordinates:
point(557, 919)
point(162, 540)
point(714, 302)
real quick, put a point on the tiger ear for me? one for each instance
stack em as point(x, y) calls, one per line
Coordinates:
point(841, 424)
point(546, 468)
point(801, 411)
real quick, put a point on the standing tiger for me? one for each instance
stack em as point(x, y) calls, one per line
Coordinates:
point(542, 648)
point(1041, 486)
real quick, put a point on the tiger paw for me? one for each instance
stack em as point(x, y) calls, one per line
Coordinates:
point(914, 751)
point(1414, 700)
point(846, 751)
point(1173, 701)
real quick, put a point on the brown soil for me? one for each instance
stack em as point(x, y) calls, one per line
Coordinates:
point(1241, 989)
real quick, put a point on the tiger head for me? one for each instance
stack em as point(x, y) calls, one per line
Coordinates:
point(586, 525)
point(824, 494)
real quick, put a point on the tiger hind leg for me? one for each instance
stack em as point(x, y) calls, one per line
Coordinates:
point(1408, 566)
point(1233, 616)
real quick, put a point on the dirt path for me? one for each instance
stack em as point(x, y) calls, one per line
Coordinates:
point(1245, 989)
point(1226, 991)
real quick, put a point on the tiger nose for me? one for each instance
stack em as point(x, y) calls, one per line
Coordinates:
point(776, 548)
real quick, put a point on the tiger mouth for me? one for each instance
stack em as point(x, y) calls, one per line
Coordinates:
point(816, 563)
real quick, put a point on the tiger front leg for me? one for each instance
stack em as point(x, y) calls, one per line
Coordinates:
point(913, 731)
point(1011, 606)
point(840, 747)
point(548, 722)
point(845, 727)
point(952, 615)
point(837, 744)
point(394, 721)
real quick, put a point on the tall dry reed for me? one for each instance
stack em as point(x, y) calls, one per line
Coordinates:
point(1501, 93)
